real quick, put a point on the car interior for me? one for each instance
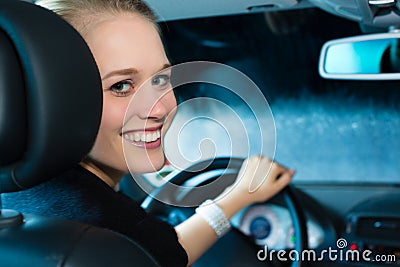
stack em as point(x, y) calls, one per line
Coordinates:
point(326, 68)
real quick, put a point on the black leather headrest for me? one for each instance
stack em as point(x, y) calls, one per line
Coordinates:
point(50, 96)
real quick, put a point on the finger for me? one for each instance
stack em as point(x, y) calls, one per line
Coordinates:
point(284, 179)
point(275, 170)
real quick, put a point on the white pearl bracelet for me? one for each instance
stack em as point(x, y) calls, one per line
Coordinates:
point(214, 216)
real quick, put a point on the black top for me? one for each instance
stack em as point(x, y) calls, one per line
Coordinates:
point(81, 196)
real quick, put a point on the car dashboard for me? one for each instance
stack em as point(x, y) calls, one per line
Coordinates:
point(367, 233)
point(270, 225)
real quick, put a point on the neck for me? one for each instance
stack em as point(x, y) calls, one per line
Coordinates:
point(108, 175)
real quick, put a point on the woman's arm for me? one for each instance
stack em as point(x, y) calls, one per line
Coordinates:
point(258, 180)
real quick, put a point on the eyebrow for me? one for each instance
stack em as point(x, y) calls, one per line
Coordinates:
point(130, 71)
point(120, 72)
point(165, 66)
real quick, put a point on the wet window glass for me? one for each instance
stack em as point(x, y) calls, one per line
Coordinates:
point(328, 130)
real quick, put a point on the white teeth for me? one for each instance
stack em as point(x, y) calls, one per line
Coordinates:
point(149, 137)
point(137, 137)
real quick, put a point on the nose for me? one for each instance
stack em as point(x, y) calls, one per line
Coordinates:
point(158, 111)
point(156, 105)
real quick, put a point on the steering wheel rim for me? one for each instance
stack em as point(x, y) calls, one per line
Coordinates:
point(153, 205)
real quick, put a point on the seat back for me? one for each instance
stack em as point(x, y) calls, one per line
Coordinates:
point(50, 111)
point(50, 95)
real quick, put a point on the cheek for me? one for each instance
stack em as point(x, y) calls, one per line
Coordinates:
point(113, 116)
point(170, 102)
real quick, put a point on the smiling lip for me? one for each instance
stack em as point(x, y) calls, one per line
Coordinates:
point(149, 138)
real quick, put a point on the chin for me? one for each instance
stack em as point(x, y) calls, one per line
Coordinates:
point(156, 163)
point(149, 163)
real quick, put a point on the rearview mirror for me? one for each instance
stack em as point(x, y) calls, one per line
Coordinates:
point(365, 57)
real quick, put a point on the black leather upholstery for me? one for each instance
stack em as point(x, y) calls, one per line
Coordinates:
point(50, 85)
point(50, 111)
point(49, 242)
point(12, 130)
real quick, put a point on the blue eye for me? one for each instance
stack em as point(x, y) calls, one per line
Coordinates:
point(122, 88)
point(161, 80)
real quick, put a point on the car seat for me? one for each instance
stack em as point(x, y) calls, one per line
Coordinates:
point(50, 111)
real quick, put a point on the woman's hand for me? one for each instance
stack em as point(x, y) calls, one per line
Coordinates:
point(258, 180)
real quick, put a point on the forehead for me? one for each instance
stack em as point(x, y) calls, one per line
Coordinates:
point(126, 41)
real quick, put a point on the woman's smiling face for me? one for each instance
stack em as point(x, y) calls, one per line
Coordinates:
point(130, 55)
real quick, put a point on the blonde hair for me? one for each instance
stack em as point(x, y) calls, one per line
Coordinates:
point(84, 14)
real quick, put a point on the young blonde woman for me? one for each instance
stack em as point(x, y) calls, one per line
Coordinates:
point(124, 39)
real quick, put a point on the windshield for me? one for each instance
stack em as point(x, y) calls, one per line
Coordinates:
point(329, 131)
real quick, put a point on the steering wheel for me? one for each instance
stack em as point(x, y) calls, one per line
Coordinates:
point(235, 248)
